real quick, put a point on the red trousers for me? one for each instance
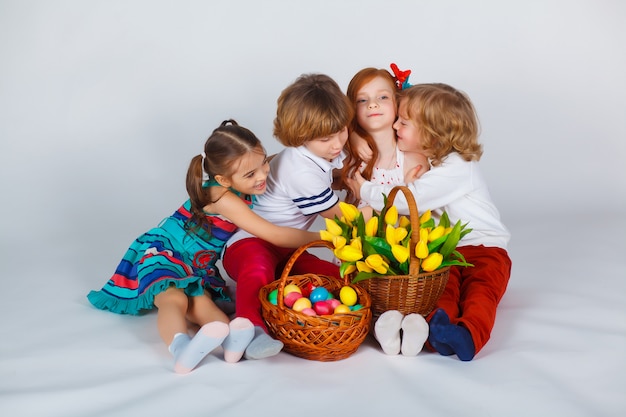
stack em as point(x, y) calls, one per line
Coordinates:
point(473, 293)
point(254, 263)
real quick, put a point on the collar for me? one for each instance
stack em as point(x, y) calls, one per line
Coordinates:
point(324, 164)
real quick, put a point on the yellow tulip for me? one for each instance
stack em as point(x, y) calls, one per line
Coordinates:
point(349, 211)
point(371, 227)
point(401, 253)
point(432, 262)
point(400, 233)
point(425, 216)
point(349, 269)
point(348, 253)
point(362, 267)
point(424, 235)
point(377, 263)
point(333, 227)
point(404, 222)
point(326, 235)
point(448, 230)
point(355, 232)
point(390, 235)
point(339, 242)
point(421, 249)
point(436, 233)
point(357, 244)
point(391, 217)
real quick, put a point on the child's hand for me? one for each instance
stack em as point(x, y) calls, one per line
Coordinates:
point(360, 147)
point(354, 184)
point(414, 173)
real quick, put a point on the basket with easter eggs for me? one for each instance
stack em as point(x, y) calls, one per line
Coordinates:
point(403, 263)
point(317, 317)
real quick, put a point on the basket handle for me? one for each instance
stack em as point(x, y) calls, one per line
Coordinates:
point(414, 263)
point(292, 261)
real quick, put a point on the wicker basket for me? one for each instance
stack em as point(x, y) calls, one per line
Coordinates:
point(412, 293)
point(322, 338)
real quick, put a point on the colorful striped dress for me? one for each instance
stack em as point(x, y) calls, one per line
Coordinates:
point(167, 255)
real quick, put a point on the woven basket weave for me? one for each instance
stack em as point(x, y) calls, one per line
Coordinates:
point(411, 293)
point(322, 338)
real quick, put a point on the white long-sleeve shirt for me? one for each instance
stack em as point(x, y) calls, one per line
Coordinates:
point(457, 187)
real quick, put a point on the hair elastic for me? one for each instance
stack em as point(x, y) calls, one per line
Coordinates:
point(205, 175)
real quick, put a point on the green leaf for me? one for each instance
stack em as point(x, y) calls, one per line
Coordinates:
point(452, 240)
point(444, 220)
point(454, 262)
point(373, 244)
point(343, 267)
point(360, 225)
point(430, 223)
point(346, 229)
point(436, 244)
point(362, 276)
point(464, 232)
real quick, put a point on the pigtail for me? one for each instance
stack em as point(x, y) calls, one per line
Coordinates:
point(198, 196)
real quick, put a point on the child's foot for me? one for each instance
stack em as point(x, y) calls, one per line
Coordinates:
point(448, 338)
point(387, 331)
point(241, 333)
point(414, 334)
point(262, 345)
point(208, 338)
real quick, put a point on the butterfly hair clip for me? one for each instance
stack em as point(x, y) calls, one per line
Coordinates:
point(402, 77)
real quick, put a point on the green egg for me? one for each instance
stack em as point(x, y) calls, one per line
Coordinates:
point(273, 297)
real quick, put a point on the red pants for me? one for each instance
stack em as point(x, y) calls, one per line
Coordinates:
point(473, 293)
point(254, 263)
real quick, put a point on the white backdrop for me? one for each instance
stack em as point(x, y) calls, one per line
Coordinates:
point(103, 103)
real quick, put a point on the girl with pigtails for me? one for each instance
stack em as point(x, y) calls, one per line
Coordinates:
point(172, 267)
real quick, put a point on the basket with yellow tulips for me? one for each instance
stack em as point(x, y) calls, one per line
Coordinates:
point(403, 263)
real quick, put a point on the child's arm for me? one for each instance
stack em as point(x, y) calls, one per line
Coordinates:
point(238, 212)
point(360, 146)
point(415, 164)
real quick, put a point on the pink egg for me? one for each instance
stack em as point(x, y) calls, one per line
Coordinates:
point(309, 312)
point(333, 303)
point(291, 298)
point(322, 308)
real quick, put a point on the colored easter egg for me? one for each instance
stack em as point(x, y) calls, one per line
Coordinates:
point(322, 308)
point(342, 309)
point(301, 303)
point(272, 297)
point(291, 298)
point(291, 288)
point(318, 294)
point(356, 307)
point(308, 288)
point(347, 295)
point(309, 312)
point(333, 303)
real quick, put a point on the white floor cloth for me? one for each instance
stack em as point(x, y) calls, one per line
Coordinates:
point(558, 348)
